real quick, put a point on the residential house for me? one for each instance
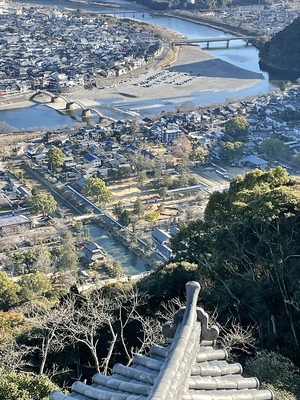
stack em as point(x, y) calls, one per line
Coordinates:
point(92, 160)
point(11, 224)
point(93, 252)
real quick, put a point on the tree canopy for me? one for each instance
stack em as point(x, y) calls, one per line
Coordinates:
point(21, 386)
point(97, 190)
point(237, 127)
point(231, 150)
point(43, 203)
point(274, 148)
point(55, 157)
point(247, 248)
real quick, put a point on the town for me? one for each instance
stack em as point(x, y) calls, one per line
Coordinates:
point(159, 171)
point(111, 225)
point(171, 177)
point(61, 50)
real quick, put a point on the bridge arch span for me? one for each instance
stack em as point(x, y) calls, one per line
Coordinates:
point(71, 103)
point(51, 95)
point(100, 115)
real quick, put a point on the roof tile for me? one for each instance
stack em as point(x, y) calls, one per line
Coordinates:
point(189, 368)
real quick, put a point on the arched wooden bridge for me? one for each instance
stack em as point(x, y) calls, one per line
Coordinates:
point(70, 104)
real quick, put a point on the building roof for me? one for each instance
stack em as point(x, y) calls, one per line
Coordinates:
point(90, 157)
point(93, 246)
point(189, 368)
point(161, 236)
point(10, 219)
point(252, 159)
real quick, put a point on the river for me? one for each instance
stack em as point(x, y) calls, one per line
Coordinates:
point(237, 54)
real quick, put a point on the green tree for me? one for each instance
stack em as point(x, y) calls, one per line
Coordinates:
point(34, 286)
point(38, 258)
point(124, 172)
point(275, 369)
point(113, 174)
point(97, 190)
point(247, 247)
point(142, 163)
point(67, 261)
point(138, 208)
point(55, 157)
point(237, 127)
point(198, 155)
point(21, 386)
point(230, 151)
point(164, 180)
point(125, 217)
point(10, 322)
point(118, 209)
point(8, 292)
point(42, 203)
point(163, 192)
point(141, 176)
point(168, 281)
point(274, 148)
point(152, 217)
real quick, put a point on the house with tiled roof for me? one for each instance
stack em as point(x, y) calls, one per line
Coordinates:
point(93, 252)
point(188, 368)
point(12, 224)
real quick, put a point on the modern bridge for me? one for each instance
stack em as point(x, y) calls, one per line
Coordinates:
point(70, 104)
point(226, 39)
point(124, 13)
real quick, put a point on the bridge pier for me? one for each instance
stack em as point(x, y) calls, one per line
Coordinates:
point(247, 39)
point(86, 113)
point(54, 99)
point(70, 106)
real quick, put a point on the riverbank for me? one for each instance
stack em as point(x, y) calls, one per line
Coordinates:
point(212, 22)
point(193, 72)
point(179, 77)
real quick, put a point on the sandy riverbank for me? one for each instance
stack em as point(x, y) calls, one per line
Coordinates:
point(193, 72)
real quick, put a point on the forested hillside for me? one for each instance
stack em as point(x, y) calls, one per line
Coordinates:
point(282, 52)
point(245, 254)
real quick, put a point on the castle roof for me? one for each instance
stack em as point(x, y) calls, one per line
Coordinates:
point(188, 368)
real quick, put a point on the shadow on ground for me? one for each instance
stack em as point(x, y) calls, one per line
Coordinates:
point(215, 68)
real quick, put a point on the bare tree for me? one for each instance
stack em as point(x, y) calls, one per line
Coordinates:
point(80, 319)
point(182, 148)
point(13, 355)
point(234, 337)
point(89, 314)
point(128, 304)
point(47, 329)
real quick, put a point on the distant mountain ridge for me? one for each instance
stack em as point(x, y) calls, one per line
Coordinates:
point(282, 52)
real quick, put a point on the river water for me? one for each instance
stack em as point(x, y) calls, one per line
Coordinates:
point(237, 54)
point(130, 262)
